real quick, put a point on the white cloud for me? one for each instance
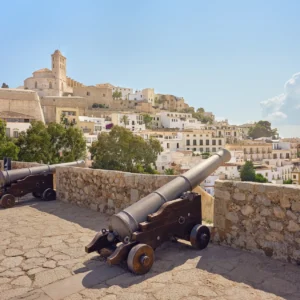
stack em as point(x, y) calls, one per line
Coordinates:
point(284, 108)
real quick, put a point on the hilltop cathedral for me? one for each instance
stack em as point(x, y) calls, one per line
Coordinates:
point(52, 82)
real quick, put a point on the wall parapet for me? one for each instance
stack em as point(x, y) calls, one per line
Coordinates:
point(111, 191)
point(262, 218)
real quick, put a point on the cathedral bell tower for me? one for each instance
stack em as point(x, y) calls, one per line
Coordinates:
point(59, 71)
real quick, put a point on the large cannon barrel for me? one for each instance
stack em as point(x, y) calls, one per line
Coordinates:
point(124, 223)
point(8, 177)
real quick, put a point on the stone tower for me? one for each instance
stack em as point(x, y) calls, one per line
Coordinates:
point(59, 70)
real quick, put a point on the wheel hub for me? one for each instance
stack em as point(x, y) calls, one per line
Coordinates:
point(145, 260)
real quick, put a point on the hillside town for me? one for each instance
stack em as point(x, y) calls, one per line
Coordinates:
point(187, 135)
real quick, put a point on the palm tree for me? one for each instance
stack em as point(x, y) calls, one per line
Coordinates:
point(124, 119)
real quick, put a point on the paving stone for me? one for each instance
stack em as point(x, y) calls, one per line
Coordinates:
point(47, 277)
point(16, 292)
point(23, 281)
point(12, 262)
point(13, 252)
point(51, 264)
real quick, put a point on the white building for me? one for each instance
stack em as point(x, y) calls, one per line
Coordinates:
point(134, 122)
point(99, 124)
point(124, 91)
point(179, 121)
point(15, 122)
point(147, 95)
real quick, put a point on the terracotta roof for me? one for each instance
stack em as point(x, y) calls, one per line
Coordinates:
point(14, 115)
point(43, 71)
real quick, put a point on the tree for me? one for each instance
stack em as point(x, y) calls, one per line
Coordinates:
point(260, 178)
point(7, 146)
point(289, 181)
point(200, 116)
point(262, 129)
point(169, 172)
point(95, 105)
point(188, 110)
point(247, 172)
point(125, 120)
point(117, 95)
point(147, 120)
point(121, 150)
point(4, 86)
point(53, 144)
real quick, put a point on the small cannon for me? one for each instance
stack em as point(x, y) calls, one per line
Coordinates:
point(36, 180)
point(170, 212)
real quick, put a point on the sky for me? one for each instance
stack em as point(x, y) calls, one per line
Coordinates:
point(237, 59)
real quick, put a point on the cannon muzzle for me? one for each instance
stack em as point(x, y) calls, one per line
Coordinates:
point(126, 222)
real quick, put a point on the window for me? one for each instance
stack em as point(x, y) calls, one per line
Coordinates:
point(201, 149)
point(201, 142)
point(214, 142)
point(50, 85)
point(35, 85)
point(194, 142)
point(207, 149)
point(188, 142)
point(103, 95)
point(168, 145)
point(207, 142)
point(162, 167)
point(177, 145)
point(214, 150)
point(88, 93)
point(220, 142)
point(194, 149)
point(16, 134)
point(294, 176)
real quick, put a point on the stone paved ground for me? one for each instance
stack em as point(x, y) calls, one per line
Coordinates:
point(42, 257)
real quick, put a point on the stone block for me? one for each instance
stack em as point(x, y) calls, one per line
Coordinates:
point(247, 210)
point(245, 186)
point(134, 195)
point(296, 206)
point(291, 215)
point(279, 213)
point(239, 196)
point(221, 194)
point(265, 212)
point(278, 226)
point(261, 199)
point(285, 202)
point(233, 217)
point(219, 222)
point(293, 226)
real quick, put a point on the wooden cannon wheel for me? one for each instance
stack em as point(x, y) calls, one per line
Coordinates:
point(140, 259)
point(49, 195)
point(7, 201)
point(200, 236)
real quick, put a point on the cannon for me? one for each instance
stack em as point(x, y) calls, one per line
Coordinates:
point(171, 212)
point(36, 180)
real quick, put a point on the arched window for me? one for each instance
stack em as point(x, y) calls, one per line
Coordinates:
point(35, 85)
point(50, 85)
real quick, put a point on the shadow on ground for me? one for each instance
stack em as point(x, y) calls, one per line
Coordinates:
point(216, 265)
point(84, 217)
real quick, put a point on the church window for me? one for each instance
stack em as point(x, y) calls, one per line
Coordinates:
point(50, 85)
point(35, 85)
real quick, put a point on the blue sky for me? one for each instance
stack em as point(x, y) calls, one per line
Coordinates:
point(225, 56)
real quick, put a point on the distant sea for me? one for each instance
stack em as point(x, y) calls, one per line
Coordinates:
point(288, 131)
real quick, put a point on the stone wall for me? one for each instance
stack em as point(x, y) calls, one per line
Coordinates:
point(111, 191)
point(262, 218)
